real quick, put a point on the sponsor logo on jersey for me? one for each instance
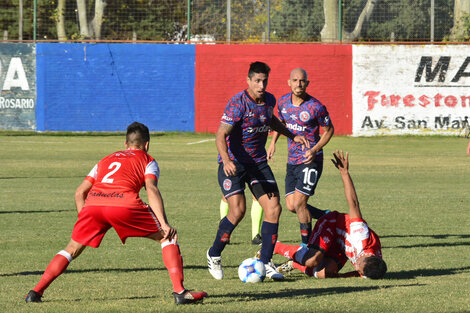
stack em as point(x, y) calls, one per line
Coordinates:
point(262, 118)
point(283, 111)
point(249, 114)
point(293, 116)
point(326, 119)
point(227, 184)
point(226, 118)
point(259, 129)
point(296, 127)
point(304, 116)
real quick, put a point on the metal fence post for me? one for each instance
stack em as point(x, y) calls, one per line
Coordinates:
point(189, 20)
point(35, 9)
point(340, 20)
point(229, 20)
point(432, 20)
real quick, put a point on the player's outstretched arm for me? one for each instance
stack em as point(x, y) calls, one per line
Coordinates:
point(342, 164)
point(279, 127)
point(81, 193)
point(156, 204)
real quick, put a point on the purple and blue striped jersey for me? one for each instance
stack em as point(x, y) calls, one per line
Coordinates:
point(250, 121)
point(303, 120)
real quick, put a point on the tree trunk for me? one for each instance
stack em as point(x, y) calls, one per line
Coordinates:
point(330, 29)
point(83, 19)
point(61, 20)
point(461, 8)
point(100, 5)
point(364, 17)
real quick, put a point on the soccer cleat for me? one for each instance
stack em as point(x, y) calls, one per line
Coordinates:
point(271, 272)
point(257, 240)
point(258, 254)
point(286, 268)
point(188, 297)
point(33, 296)
point(214, 264)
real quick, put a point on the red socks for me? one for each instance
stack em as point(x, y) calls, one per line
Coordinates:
point(286, 250)
point(174, 264)
point(57, 266)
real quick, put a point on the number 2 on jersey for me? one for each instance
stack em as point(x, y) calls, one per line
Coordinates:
point(106, 178)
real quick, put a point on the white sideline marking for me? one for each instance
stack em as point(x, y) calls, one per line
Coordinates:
point(201, 141)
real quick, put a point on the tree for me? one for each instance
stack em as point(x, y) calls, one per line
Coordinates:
point(90, 27)
point(330, 29)
point(461, 29)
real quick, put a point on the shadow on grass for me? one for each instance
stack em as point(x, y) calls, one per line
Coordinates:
point(316, 292)
point(35, 211)
point(109, 270)
point(40, 177)
point(465, 236)
point(425, 273)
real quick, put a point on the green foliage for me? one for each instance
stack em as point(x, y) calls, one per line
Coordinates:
point(408, 20)
point(413, 193)
point(297, 20)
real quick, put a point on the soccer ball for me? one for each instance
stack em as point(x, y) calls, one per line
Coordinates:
point(252, 271)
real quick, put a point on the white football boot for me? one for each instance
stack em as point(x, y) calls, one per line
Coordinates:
point(271, 272)
point(214, 265)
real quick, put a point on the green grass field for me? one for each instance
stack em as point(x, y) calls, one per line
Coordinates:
point(413, 192)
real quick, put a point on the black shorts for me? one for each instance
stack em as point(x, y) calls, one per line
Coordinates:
point(259, 177)
point(303, 178)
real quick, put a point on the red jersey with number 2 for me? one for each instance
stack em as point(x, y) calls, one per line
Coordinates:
point(118, 178)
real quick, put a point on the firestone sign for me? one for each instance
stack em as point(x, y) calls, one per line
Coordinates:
point(18, 86)
point(410, 89)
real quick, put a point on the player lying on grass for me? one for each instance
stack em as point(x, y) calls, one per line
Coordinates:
point(109, 197)
point(336, 238)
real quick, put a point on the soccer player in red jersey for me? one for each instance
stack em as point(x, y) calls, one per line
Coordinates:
point(336, 238)
point(109, 197)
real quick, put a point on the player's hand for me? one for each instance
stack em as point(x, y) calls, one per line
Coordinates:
point(304, 142)
point(229, 168)
point(169, 232)
point(341, 162)
point(270, 152)
point(310, 155)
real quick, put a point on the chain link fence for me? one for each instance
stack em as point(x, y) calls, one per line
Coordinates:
point(236, 20)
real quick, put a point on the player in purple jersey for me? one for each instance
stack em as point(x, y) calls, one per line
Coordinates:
point(303, 115)
point(240, 141)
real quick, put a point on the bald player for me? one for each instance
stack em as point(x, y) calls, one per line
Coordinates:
point(303, 115)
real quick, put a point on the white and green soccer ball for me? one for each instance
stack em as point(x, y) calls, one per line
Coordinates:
point(252, 270)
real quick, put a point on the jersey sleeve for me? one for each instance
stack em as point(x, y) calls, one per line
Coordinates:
point(91, 177)
point(279, 111)
point(359, 231)
point(323, 117)
point(233, 112)
point(152, 170)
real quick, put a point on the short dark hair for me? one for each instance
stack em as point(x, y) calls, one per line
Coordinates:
point(374, 267)
point(137, 134)
point(257, 68)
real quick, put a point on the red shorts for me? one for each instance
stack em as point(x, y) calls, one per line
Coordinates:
point(324, 237)
point(94, 221)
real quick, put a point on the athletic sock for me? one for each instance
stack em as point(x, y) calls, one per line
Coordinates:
point(57, 266)
point(303, 268)
point(269, 238)
point(305, 231)
point(174, 264)
point(315, 212)
point(286, 250)
point(223, 209)
point(256, 218)
point(223, 235)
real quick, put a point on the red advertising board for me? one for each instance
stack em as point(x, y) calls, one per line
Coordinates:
point(221, 72)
